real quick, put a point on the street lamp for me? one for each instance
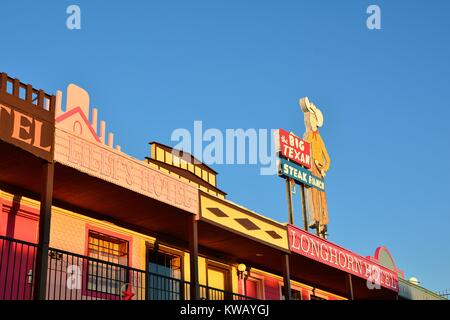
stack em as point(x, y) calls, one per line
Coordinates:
point(243, 273)
point(241, 269)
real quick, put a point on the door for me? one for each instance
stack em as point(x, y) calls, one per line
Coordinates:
point(17, 253)
point(253, 288)
point(218, 283)
point(164, 276)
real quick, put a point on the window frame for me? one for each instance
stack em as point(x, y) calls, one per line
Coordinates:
point(96, 294)
point(319, 295)
point(228, 271)
point(293, 288)
point(260, 285)
point(162, 249)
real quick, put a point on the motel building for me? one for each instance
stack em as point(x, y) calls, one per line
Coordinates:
point(82, 220)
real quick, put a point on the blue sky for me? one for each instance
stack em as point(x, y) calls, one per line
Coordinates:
point(154, 66)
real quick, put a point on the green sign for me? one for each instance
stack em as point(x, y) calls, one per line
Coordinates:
point(299, 174)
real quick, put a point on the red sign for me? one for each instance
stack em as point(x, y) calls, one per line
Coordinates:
point(308, 245)
point(294, 148)
point(128, 294)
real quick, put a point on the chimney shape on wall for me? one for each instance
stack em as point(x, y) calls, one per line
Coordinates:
point(102, 134)
point(94, 119)
point(111, 140)
point(58, 103)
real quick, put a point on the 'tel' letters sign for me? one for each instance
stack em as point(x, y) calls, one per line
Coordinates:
point(293, 148)
point(23, 123)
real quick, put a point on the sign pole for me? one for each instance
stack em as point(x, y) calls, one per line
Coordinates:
point(289, 201)
point(303, 199)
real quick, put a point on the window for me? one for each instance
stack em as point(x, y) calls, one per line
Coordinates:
point(165, 264)
point(253, 288)
point(205, 175)
point(295, 294)
point(160, 154)
point(164, 276)
point(105, 277)
point(212, 179)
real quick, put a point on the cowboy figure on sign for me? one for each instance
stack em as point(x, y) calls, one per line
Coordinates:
point(320, 163)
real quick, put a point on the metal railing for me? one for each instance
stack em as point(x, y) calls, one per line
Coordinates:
point(208, 293)
point(73, 276)
point(161, 287)
point(76, 277)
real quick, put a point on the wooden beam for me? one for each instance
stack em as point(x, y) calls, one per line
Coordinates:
point(40, 277)
point(3, 82)
point(350, 285)
point(193, 258)
point(286, 277)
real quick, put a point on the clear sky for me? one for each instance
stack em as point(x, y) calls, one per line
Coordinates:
point(155, 66)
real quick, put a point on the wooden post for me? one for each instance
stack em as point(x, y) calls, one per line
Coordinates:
point(16, 87)
point(40, 278)
point(40, 102)
point(245, 286)
point(289, 201)
point(304, 212)
point(193, 258)
point(350, 285)
point(3, 82)
point(286, 277)
point(29, 94)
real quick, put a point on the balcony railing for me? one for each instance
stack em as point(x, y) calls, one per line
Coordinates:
point(73, 276)
point(76, 277)
point(207, 293)
point(161, 287)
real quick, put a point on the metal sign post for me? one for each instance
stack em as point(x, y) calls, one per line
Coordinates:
point(304, 213)
point(289, 201)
